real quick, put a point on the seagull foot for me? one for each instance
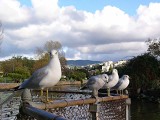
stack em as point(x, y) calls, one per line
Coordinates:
point(96, 97)
point(48, 101)
point(109, 95)
point(42, 98)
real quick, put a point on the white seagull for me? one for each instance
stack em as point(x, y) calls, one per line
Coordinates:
point(122, 84)
point(112, 81)
point(45, 77)
point(95, 83)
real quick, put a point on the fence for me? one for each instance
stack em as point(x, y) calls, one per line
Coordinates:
point(75, 106)
point(9, 106)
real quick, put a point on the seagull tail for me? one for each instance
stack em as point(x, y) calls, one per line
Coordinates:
point(14, 89)
point(83, 88)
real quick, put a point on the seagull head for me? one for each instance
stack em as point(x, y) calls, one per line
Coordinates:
point(115, 71)
point(52, 53)
point(125, 77)
point(105, 78)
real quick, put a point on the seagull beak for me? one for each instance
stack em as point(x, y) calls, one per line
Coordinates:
point(51, 56)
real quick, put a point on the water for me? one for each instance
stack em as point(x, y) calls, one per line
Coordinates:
point(142, 110)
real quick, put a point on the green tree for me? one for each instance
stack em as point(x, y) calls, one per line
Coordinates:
point(40, 62)
point(17, 67)
point(23, 71)
point(144, 70)
point(75, 74)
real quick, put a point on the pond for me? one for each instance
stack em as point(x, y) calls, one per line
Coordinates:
point(142, 110)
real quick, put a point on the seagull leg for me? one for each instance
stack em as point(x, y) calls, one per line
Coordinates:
point(41, 92)
point(108, 91)
point(41, 95)
point(47, 100)
point(122, 92)
point(117, 92)
point(94, 93)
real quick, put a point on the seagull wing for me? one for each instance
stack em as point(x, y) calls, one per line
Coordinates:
point(120, 82)
point(90, 82)
point(35, 79)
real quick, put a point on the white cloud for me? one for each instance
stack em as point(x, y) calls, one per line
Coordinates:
point(12, 12)
point(46, 10)
point(109, 33)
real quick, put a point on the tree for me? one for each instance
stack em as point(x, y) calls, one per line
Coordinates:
point(76, 75)
point(40, 62)
point(17, 67)
point(144, 71)
point(154, 46)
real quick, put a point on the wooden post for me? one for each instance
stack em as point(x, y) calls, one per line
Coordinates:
point(27, 109)
point(94, 110)
point(128, 112)
point(26, 95)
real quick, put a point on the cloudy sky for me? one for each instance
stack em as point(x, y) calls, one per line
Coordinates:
point(87, 29)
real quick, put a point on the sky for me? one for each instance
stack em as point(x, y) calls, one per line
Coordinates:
point(100, 30)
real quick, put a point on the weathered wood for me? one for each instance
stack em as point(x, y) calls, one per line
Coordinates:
point(97, 107)
point(40, 114)
point(65, 103)
point(4, 86)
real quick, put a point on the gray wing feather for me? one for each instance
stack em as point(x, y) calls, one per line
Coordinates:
point(91, 81)
point(33, 81)
point(118, 84)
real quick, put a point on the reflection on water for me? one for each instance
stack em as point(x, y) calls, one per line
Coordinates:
point(141, 110)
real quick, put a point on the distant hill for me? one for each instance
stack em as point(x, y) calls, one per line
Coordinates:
point(81, 62)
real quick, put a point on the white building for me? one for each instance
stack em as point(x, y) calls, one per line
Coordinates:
point(107, 65)
point(121, 62)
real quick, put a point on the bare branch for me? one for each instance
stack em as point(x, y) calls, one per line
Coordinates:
point(50, 45)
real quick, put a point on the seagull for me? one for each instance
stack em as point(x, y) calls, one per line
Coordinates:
point(112, 80)
point(45, 77)
point(95, 83)
point(122, 84)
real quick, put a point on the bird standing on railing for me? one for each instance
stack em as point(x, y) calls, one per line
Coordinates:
point(122, 84)
point(45, 77)
point(95, 83)
point(112, 81)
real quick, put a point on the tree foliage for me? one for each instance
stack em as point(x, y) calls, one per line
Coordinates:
point(76, 75)
point(144, 71)
point(17, 67)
